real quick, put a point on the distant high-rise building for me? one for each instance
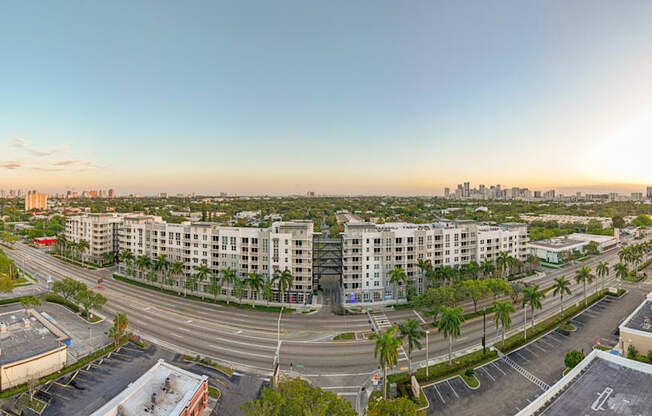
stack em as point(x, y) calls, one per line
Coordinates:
point(447, 192)
point(111, 193)
point(649, 192)
point(163, 195)
point(467, 189)
point(34, 201)
point(637, 196)
point(310, 194)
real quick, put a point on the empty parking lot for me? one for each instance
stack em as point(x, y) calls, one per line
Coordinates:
point(509, 384)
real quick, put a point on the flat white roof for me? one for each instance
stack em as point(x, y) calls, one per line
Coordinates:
point(592, 237)
point(171, 400)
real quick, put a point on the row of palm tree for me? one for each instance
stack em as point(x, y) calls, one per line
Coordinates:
point(635, 254)
point(173, 275)
point(504, 265)
point(67, 248)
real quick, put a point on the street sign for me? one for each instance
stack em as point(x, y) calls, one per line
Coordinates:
point(299, 366)
point(375, 379)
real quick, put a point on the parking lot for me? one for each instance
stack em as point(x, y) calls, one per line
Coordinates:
point(86, 390)
point(510, 383)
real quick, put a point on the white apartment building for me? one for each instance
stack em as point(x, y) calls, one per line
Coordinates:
point(284, 245)
point(99, 230)
point(370, 251)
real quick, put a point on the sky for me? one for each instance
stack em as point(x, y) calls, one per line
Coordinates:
point(336, 97)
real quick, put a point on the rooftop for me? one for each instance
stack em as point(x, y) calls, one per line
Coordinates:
point(26, 335)
point(641, 318)
point(602, 383)
point(164, 390)
point(557, 243)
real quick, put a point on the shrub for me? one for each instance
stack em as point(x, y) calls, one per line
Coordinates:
point(61, 301)
point(469, 372)
point(632, 352)
point(573, 358)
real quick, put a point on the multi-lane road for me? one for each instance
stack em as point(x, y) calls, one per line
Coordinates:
point(248, 339)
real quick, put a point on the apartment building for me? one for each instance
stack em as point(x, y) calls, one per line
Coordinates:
point(371, 251)
point(99, 230)
point(35, 200)
point(284, 245)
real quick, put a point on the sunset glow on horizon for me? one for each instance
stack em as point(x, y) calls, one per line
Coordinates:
point(369, 97)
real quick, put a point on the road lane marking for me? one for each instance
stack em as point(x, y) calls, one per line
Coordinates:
point(419, 316)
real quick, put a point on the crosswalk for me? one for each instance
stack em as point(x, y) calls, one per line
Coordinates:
point(382, 322)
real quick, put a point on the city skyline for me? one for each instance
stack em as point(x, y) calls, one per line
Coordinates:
point(367, 98)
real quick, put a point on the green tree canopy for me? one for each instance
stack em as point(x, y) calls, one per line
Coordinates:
point(298, 398)
point(398, 407)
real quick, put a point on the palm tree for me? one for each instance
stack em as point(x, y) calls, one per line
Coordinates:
point(502, 262)
point(214, 287)
point(127, 257)
point(82, 246)
point(108, 257)
point(488, 267)
point(202, 274)
point(386, 351)
point(176, 269)
point(532, 296)
point(602, 270)
point(533, 261)
point(413, 332)
point(161, 265)
point(425, 267)
point(229, 277)
point(502, 311)
point(472, 269)
point(255, 283)
point(636, 259)
point(284, 279)
point(144, 263)
point(397, 276)
point(562, 287)
point(621, 273)
point(584, 275)
point(450, 325)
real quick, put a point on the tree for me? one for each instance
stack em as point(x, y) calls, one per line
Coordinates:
point(561, 287)
point(397, 276)
point(268, 291)
point(592, 248)
point(108, 257)
point(502, 262)
point(90, 300)
point(488, 268)
point(584, 276)
point(161, 265)
point(412, 332)
point(214, 287)
point(255, 283)
point(474, 290)
point(532, 296)
point(297, 397)
point(386, 351)
point(144, 263)
point(82, 246)
point(115, 334)
point(573, 358)
point(176, 270)
point(450, 325)
point(68, 288)
point(228, 278)
point(401, 406)
point(29, 302)
point(502, 315)
point(618, 222)
point(283, 279)
point(621, 272)
point(127, 257)
point(602, 270)
point(202, 274)
point(533, 261)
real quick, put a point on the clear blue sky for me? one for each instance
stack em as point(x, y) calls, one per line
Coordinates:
point(330, 96)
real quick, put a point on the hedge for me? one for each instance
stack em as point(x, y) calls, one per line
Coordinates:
point(517, 340)
point(206, 299)
point(61, 301)
point(443, 370)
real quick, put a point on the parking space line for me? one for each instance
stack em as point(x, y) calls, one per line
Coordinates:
point(449, 385)
point(440, 396)
point(526, 349)
point(553, 339)
point(534, 344)
point(498, 368)
point(485, 370)
point(521, 355)
point(547, 343)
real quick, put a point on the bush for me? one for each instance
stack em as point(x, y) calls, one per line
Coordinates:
point(632, 352)
point(573, 358)
point(469, 372)
point(61, 301)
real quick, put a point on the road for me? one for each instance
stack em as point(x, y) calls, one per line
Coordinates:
point(247, 339)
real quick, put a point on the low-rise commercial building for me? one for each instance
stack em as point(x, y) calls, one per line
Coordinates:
point(31, 347)
point(552, 250)
point(604, 242)
point(164, 390)
point(636, 329)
